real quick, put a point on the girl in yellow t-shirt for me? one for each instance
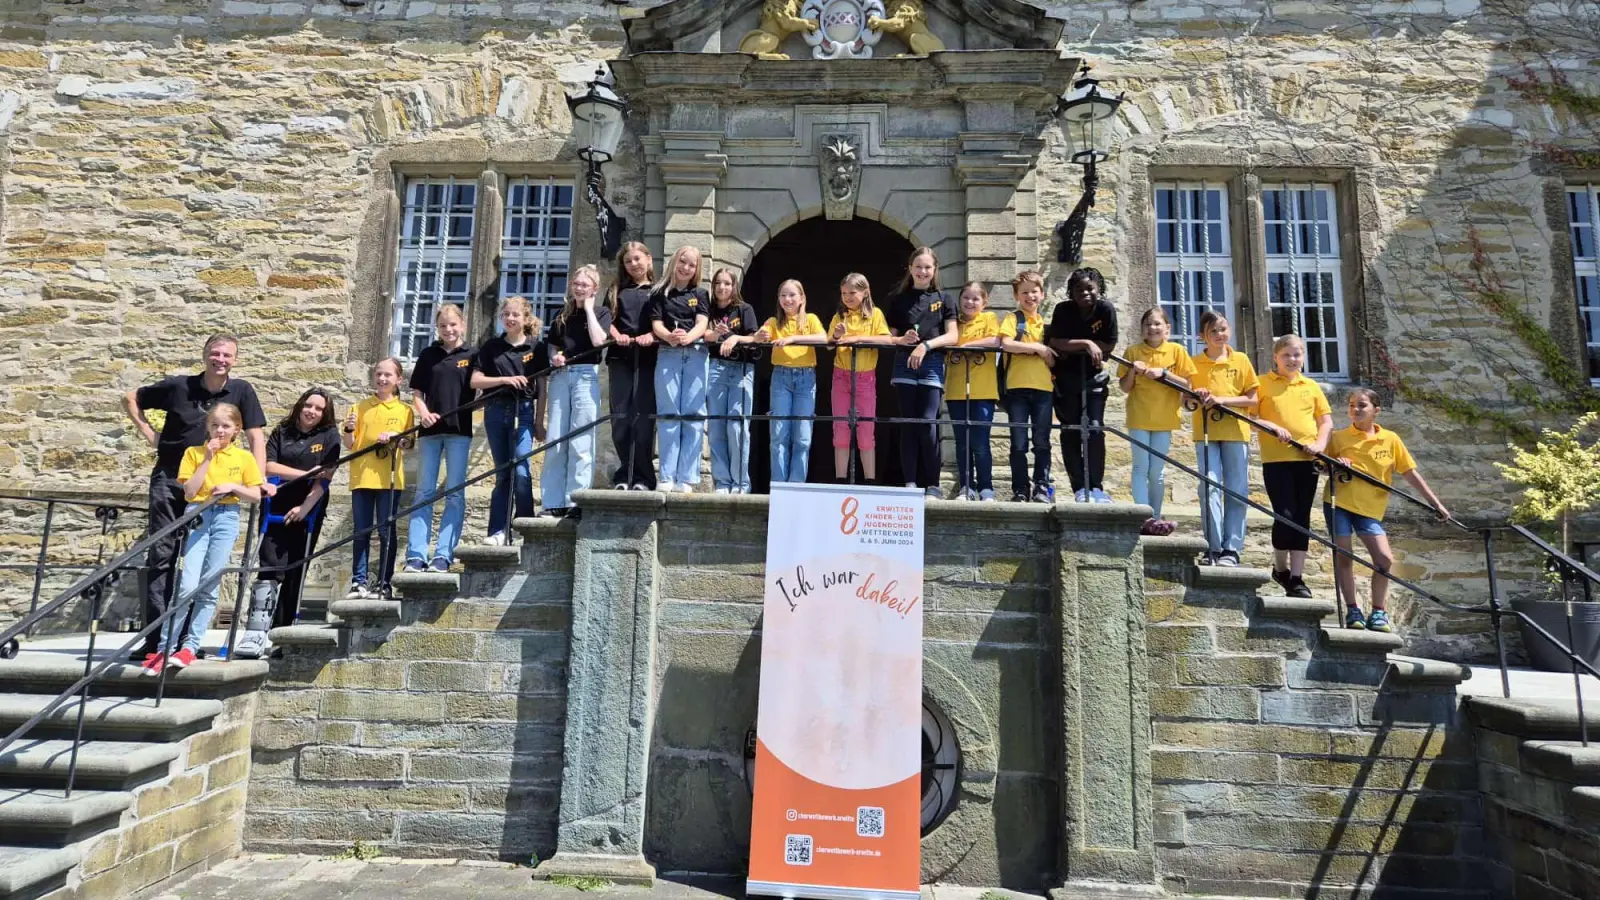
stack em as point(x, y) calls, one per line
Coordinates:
point(214, 470)
point(855, 375)
point(1294, 408)
point(971, 388)
point(1357, 508)
point(1029, 388)
point(376, 478)
point(1223, 377)
point(793, 333)
point(1153, 410)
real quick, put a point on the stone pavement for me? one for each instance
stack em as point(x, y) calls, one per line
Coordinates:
point(272, 876)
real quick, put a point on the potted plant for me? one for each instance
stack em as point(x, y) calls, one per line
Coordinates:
point(1560, 478)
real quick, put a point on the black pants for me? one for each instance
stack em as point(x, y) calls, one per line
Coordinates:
point(166, 506)
point(287, 545)
point(1070, 407)
point(1029, 412)
point(919, 441)
point(1292, 488)
point(633, 401)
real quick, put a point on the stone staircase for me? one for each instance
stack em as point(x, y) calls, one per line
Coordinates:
point(158, 790)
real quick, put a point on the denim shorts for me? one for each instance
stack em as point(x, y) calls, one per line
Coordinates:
point(1344, 523)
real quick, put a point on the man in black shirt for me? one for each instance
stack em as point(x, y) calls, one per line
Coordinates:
point(1082, 331)
point(187, 399)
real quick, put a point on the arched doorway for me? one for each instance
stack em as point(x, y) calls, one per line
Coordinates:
point(819, 253)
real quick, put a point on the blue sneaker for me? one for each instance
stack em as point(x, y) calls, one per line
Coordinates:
point(1354, 619)
point(1378, 621)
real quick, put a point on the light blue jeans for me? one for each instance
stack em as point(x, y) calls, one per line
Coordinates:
point(1149, 470)
point(794, 393)
point(204, 557)
point(681, 374)
point(733, 392)
point(453, 450)
point(574, 402)
point(1227, 462)
point(509, 427)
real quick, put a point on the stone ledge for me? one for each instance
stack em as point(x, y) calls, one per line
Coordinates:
point(626, 501)
point(326, 636)
point(1583, 805)
point(1351, 640)
point(1562, 760)
point(1240, 577)
point(422, 584)
point(487, 557)
point(620, 869)
point(1309, 608)
point(25, 868)
point(207, 677)
point(1410, 671)
point(1549, 719)
point(369, 610)
point(1181, 545)
point(545, 526)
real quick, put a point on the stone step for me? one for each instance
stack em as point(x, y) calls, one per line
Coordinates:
point(417, 586)
point(46, 817)
point(486, 558)
point(112, 718)
point(1532, 719)
point(1567, 761)
point(1351, 640)
point(47, 672)
point(35, 871)
point(1583, 805)
point(1310, 609)
point(367, 610)
point(102, 765)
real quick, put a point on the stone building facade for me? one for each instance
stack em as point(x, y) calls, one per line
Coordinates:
point(315, 176)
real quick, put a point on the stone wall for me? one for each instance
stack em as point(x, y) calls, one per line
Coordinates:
point(78, 544)
point(439, 736)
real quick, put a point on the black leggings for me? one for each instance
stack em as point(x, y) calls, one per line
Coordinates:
point(284, 547)
point(1292, 487)
point(633, 401)
point(1070, 408)
point(919, 441)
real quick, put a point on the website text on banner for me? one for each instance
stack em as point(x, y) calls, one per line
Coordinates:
point(837, 811)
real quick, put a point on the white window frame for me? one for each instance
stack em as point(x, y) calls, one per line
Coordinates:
point(1203, 261)
point(1586, 267)
point(418, 252)
point(1320, 260)
point(540, 255)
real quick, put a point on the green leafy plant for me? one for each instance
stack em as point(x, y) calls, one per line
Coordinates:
point(360, 850)
point(1560, 475)
point(581, 882)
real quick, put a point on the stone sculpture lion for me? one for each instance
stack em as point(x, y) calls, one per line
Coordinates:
point(910, 22)
point(779, 19)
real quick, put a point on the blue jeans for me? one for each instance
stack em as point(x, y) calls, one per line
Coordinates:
point(974, 456)
point(574, 402)
point(1029, 412)
point(1343, 523)
point(733, 391)
point(204, 557)
point(373, 507)
point(509, 426)
point(1226, 462)
point(453, 450)
point(794, 393)
point(681, 374)
point(1149, 470)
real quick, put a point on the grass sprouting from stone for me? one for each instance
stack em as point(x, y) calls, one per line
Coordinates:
point(581, 882)
point(359, 850)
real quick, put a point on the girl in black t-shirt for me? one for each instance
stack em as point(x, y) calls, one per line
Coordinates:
point(631, 369)
point(922, 320)
point(574, 340)
point(732, 390)
point(679, 311)
point(441, 381)
point(512, 419)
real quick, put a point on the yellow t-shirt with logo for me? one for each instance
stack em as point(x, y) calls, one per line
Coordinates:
point(230, 465)
point(1230, 376)
point(801, 356)
point(1153, 406)
point(858, 325)
point(971, 374)
point(1025, 370)
point(1292, 403)
point(1380, 454)
point(371, 471)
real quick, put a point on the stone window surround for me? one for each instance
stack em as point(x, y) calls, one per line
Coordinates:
point(378, 244)
point(1566, 325)
point(1347, 168)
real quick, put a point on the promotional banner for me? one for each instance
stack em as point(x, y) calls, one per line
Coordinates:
point(837, 810)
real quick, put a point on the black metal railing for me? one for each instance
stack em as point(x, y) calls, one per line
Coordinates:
point(107, 514)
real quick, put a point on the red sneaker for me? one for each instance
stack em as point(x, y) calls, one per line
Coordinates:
point(182, 659)
point(153, 664)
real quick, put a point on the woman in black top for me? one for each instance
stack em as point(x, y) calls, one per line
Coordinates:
point(730, 396)
point(440, 382)
point(922, 320)
point(575, 339)
point(632, 369)
point(304, 446)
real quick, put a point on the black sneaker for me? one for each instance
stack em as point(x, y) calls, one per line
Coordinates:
point(1208, 558)
point(1228, 558)
point(1018, 497)
point(1297, 588)
point(1281, 576)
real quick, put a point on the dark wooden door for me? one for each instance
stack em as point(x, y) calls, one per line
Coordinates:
point(819, 253)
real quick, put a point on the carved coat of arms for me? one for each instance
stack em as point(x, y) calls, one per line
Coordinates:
point(842, 31)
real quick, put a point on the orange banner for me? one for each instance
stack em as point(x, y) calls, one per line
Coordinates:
point(837, 810)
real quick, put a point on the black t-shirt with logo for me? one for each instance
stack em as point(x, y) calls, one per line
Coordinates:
point(633, 310)
point(296, 449)
point(741, 319)
point(925, 310)
point(187, 402)
point(677, 307)
point(1069, 323)
point(500, 359)
point(443, 378)
point(571, 335)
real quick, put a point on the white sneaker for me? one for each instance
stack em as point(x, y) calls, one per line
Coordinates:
point(498, 539)
point(619, 487)
point(723, 491)
point(685, 488)
point(1080, 496)
point(666, 487)
point(1100, 496)
point(637, 487)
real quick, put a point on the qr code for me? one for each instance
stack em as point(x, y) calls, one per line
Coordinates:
point(797, 850)
point(869, 821)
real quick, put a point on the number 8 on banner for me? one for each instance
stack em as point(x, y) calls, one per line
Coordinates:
point(848, 523)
